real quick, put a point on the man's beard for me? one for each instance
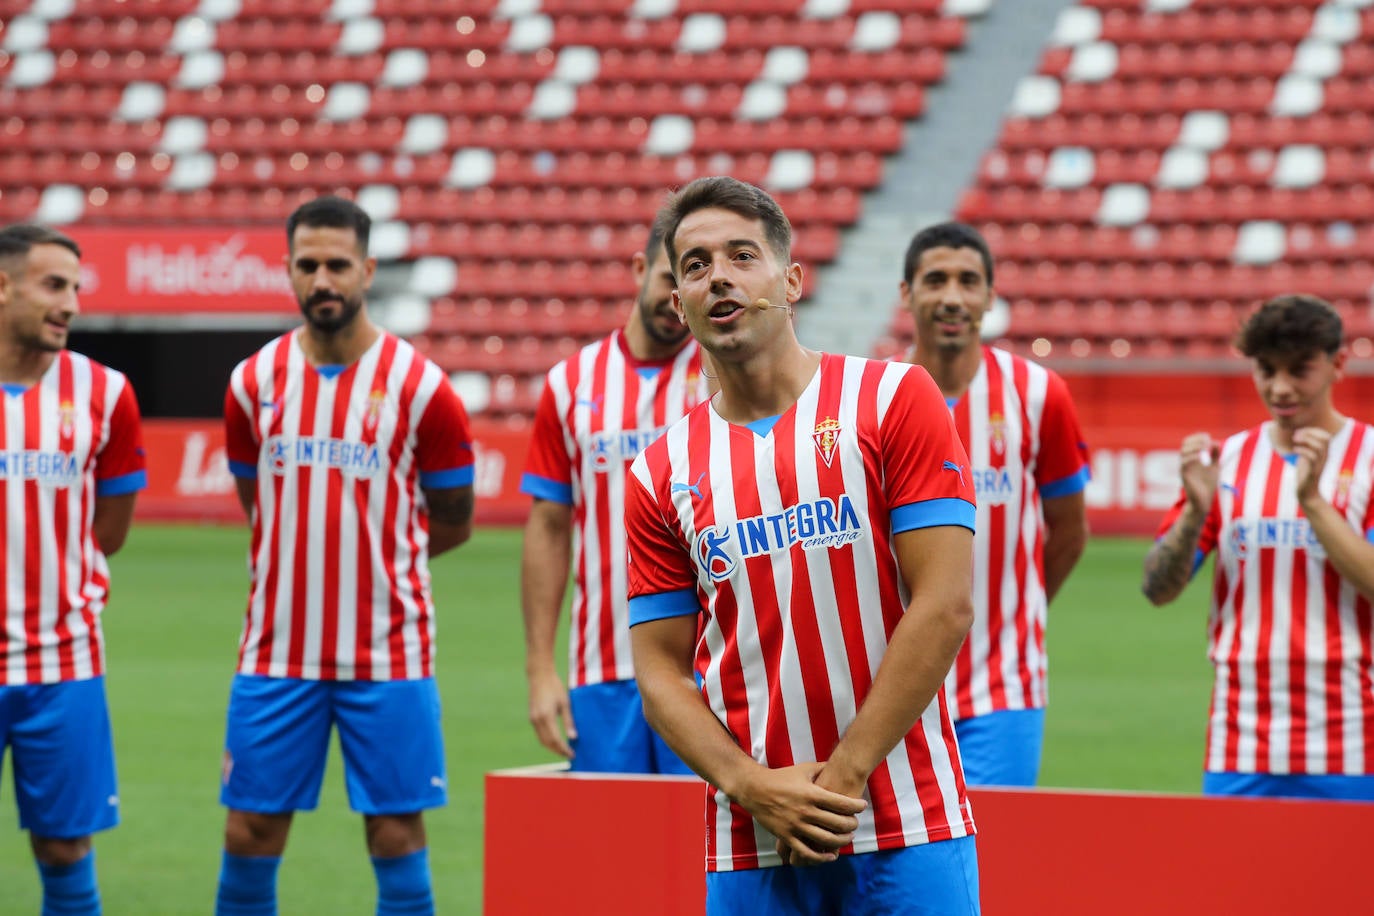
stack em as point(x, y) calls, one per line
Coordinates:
point(649, 318)
point(331, 324)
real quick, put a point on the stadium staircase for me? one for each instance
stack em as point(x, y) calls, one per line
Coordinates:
point(1171, 164)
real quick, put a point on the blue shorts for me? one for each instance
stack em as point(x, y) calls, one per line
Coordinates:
point(277, 739)
point(932, 879)
point(1001, 748)
point(63, 757)
point(612, 734)
point(1290, 785)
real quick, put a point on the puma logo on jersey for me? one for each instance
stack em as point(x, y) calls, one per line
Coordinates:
point(693, 488)
point(956, 468)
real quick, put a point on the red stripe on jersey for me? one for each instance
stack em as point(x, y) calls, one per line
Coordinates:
point(1297, 670)
point(333, 496)
point(996, 540)
point(801, 610)
point(33, 546)
point(843, 566)
point(581, 611)
point(1031, 686)
point(1263, 676)
point(100, 380)
point(362, 490)
point(963, 662)
point(1364, 619)
point(66, 435)
point(606, 623)
point(300, 569)
point(1232, 752)
point(763, 606)
point(281, 358)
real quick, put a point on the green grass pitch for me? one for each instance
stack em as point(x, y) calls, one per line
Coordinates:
point(1129, 687)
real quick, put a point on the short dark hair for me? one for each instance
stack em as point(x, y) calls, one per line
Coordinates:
point(17, 240)
point(331, 212)
point(731, 194)
point(658, 231)
point(945, 235)
point(1291, 327)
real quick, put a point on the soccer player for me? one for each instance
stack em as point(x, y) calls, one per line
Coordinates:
point(71, 462)
point(352, 458)
point(1029, 467)
point(598, 411)
point(802, 543)
point(1288, 509)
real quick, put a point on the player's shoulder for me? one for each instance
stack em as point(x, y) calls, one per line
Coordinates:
point(83, 363)
point(88, 367)
point(268, 352)
point(1021, 367)
point(1236, 442)
point(588, 354)
point(403, 350)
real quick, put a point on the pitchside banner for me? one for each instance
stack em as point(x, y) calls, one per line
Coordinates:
point(1133, 423)
point(157, 271)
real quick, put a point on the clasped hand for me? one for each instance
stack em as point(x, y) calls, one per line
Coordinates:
point(811, 822)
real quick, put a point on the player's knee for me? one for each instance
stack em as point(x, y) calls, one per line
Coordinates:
point(394, 835)
point(247, 833)
point(60, 852)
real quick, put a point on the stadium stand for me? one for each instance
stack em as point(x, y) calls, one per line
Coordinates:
point(511, 151)
point(1172, 163)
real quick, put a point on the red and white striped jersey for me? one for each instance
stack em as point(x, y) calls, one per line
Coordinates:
point(340, 575)
point(1024, 444)
point(1290, 640)
point(599, 409)
point(69, 439)
point(783, 541)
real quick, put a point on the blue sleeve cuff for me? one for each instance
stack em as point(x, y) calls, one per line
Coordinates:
point(1067, 486)
point(449, 478)
point(1199, 557)
point(931, 513)
point(1369, 535)
point(543, 488)
point(664, 604)
point(243, 470)
point(124, 483)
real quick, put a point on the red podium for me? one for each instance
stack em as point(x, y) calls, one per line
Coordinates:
point(580, 845)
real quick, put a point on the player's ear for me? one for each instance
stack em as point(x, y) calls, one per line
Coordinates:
point(1338, 360)
point(677, 306)
point(369, 271)
point(793, 279)
point(639, 266)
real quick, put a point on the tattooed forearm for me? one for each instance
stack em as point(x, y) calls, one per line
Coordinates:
point(1169, 564)
point(450, 518)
